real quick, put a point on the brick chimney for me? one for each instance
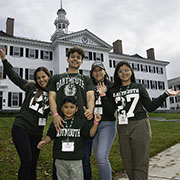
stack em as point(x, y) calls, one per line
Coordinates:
point(10, 26)
point(150, 53)
point(117, 47)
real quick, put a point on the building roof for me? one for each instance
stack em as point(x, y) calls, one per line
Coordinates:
point(174, 81)
point(2, 33)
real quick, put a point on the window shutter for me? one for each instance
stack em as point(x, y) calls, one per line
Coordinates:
point(37, 53)
point(102, 57)
point(67, 52)
point(9, 99)
point(21, 52)
point(21, 72)
point(26, 74)
point(11, 50)
point(4, 74)
point(6, 49)
point(90, 55)
point(42, 54)
point(51, 55)
point(20, 99)
point(27, 52)
point(94, 56)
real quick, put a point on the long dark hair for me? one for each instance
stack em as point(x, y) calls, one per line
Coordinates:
point(117, 80)
point(39, 88)
point(44, 69)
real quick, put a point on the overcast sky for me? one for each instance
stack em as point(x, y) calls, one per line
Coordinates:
point(140, 24)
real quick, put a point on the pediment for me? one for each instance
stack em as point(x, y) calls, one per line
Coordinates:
point(85, 38)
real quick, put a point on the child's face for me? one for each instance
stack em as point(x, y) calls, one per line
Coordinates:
point(69, 110)
point(75, 60)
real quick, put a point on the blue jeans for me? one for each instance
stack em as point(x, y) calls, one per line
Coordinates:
point(87, 145)
point(102, 143)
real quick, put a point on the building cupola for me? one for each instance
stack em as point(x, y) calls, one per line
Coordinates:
point(61, 23)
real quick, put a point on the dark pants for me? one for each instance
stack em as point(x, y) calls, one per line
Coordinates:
point(87, 143)
point(54, 176)
point(26, 146)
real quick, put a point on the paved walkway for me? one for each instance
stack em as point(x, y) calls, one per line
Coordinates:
point(165, 165)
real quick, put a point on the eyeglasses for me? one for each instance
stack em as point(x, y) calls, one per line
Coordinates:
point(124, 71)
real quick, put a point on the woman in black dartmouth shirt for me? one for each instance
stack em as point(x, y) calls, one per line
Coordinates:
point(28, 126)
point(132, 102)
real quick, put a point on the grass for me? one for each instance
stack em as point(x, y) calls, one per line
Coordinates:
point(164, 135)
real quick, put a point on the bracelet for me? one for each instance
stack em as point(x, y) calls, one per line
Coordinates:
point(101, 95)
point(55, 114)
point(96, 122)
point(167, 93)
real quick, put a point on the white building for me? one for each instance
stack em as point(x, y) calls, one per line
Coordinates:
point(26, 55)
point(174, 101)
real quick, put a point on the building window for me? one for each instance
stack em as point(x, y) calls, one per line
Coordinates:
point(14, 99)
point(1, 72)
point(98, 57)
point(19, 71)
point(152, 69)
point(159, 70)
point(135, 66)
point(144, 68)
point(171, 99)
point(90, 55)
point(110, 63)
point(153, 84)
point(46, 55)
point(114, 64)
point(164, 105)
point(176, 100)
point(161, 85)
point(29, 74)
point(176, 87)
point(32, 53)
point(16, 51)
point(145, 83)
point(86, 55)
point(138, 81)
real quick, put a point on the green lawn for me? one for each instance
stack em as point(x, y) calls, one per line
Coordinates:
point(164, 135)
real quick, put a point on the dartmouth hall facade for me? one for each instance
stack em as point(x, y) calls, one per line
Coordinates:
point(26, 55)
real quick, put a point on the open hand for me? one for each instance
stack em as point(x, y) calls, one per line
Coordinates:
point(3, 53)
point(172, 92)
point(101, 88)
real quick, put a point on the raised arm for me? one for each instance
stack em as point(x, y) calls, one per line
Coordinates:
point(152, 105)
point(8, 68)
point(53, 107)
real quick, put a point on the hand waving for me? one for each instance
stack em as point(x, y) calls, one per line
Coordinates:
point(3, 53)
point(101, 88)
